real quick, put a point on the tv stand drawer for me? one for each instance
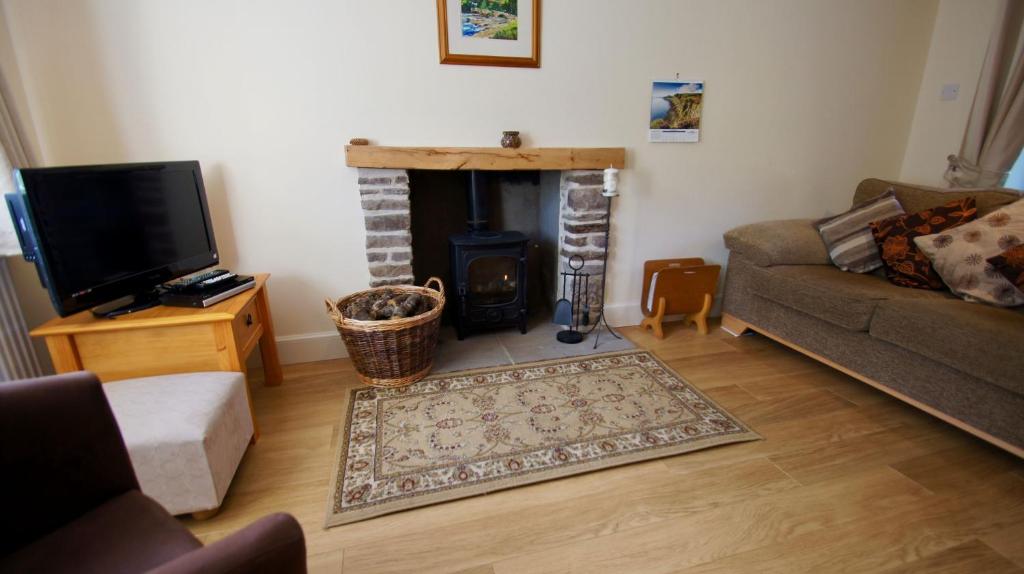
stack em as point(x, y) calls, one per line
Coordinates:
point(247, 327)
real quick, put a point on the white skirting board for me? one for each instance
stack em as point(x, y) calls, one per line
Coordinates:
point(624, 314)
point(306, 348)
point(326, 345)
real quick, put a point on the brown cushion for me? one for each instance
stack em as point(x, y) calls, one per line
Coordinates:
point(959, 255)
point(972, 338)
point(129, 533)
point(786, 242)
point(919, 197)
point(848, 238)
point(905, 265)
point(1011, 264)
point(844, 299)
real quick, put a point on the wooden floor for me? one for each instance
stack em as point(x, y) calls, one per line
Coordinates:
point(846, 480)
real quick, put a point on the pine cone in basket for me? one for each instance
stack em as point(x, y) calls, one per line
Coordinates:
point(387, 304)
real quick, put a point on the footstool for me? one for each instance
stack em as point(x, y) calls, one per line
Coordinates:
point(185, 433)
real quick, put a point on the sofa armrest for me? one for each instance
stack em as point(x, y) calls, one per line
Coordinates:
point(273, 545)
point(783, 242)
point(62, 454)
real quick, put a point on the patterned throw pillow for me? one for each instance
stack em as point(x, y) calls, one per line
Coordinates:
point(959, 255)
point(1011, 264)
point(848, 237)
point(905, 265)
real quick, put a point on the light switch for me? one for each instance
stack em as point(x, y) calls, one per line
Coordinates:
point(950, 92)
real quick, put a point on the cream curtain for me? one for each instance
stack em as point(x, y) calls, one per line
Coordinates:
point(17, 357)
point(995, 128)
point(13, 153)
point(8, 240)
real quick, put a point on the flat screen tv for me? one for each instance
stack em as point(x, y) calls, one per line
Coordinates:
point(112, 232)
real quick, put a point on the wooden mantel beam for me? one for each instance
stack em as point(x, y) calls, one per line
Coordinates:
point(484, 158)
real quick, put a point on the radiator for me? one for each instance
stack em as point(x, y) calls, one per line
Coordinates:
point(17, 357)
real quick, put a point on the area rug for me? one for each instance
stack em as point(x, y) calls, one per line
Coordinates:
point(455, 435)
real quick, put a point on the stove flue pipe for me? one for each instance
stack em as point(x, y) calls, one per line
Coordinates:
point(478, 210)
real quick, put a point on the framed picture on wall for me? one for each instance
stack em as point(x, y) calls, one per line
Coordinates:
point(489, 32)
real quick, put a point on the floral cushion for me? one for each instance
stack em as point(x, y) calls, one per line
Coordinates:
point(905, 265)
point(959, 255)
point(1011, 264)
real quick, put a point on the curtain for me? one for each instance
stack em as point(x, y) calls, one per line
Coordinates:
point(13, 153)
point(995, 127)
point(8, 240)
point(17, 356)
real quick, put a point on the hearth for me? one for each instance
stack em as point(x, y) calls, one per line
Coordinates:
point(488, 270)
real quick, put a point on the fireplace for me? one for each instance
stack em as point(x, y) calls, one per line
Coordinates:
point(570, 219)
point(488, 269)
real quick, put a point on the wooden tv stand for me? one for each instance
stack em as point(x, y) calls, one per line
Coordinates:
point(165, 340)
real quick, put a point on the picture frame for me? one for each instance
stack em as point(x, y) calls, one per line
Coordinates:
point(489, 32)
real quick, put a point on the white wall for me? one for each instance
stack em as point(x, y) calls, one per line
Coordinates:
point(957, 52)
point(804, 98)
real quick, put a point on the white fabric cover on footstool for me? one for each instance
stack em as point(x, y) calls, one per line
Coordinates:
point(186, 434)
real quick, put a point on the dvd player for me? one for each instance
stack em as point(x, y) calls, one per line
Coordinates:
point(207, 293)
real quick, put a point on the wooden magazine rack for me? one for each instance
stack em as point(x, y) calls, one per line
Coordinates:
point(680, 287)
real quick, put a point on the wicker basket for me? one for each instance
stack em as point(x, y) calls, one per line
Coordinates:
point(396, 352)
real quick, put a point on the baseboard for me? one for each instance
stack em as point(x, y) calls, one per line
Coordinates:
point(627, 314)
point(623, 314)
point(308, 347)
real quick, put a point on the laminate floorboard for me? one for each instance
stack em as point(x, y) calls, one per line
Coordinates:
point(847, 479)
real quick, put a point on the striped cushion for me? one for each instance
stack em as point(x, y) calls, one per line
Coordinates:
point(851, 246)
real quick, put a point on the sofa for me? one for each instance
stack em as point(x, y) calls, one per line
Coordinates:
point(72, 502)
point(960, 361)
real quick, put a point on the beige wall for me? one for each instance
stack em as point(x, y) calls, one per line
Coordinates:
point(959, 40)
point(804, 98)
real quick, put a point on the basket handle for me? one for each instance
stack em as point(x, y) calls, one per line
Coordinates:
point(333, 311)
point(440, 286)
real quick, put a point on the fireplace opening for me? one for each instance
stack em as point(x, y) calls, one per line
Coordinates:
point(493, 237)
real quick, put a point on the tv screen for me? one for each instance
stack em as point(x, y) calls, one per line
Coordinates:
point(107, 231)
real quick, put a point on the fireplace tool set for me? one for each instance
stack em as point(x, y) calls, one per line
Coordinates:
point(570, 312)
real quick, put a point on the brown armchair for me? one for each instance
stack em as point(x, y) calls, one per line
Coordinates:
point(72, 504)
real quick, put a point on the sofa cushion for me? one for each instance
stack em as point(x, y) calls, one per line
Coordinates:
point(917, 197)
point(844, 299)
point(959, 254)
point(129, 533)
point(905, 264)
point(848, 235)
point(783, 242)
point(972, 338)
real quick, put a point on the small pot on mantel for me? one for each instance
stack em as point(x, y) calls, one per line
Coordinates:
point(510, 140)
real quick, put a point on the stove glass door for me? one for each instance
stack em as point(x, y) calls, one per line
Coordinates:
point(492, 280)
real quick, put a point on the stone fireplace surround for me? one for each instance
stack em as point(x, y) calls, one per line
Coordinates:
point(384, 193)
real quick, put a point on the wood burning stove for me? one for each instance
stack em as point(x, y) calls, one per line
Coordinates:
point(488, 270)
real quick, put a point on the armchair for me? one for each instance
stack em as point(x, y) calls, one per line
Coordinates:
point(73, 504)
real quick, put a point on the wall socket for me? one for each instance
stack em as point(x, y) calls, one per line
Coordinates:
point(949, 92)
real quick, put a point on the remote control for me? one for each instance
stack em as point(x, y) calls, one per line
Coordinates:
point(218, 279)
point(196, 279)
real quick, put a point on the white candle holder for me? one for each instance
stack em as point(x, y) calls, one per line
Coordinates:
point(611, 182)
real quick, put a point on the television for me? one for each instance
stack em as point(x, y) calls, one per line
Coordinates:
point(112, 233)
